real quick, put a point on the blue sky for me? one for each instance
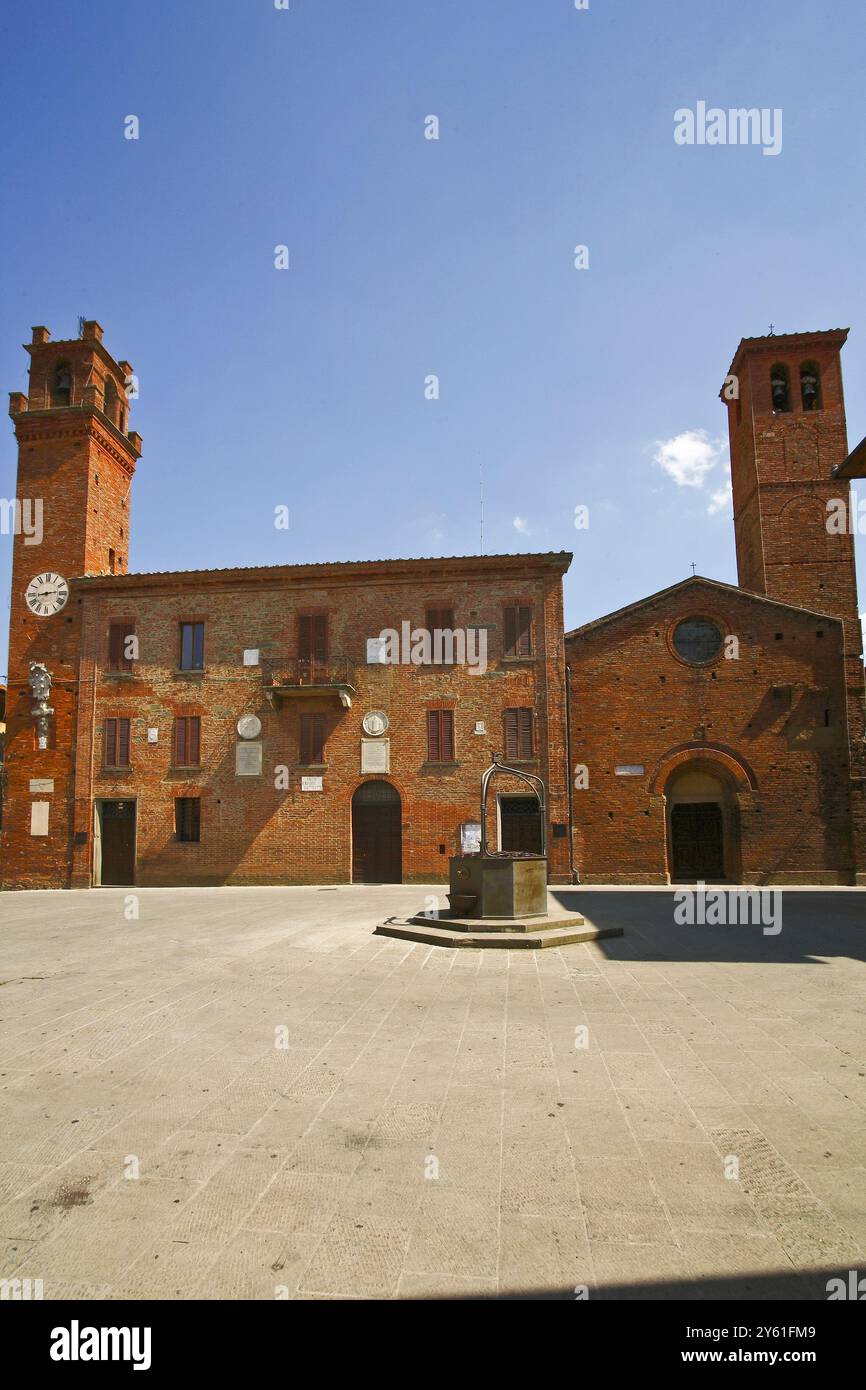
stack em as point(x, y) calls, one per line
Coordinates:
point(409, 257)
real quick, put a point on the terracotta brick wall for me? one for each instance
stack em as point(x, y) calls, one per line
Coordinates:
point(254, 832)
point(80, 468)
point(635, 702)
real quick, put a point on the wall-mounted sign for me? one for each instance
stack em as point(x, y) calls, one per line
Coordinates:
point(153, 735)
point(42, 784)
point(375, 755)
point(248, 760)
point(249, 726)
point(630, 770)
point(376, 723)
point(470, 837)
point(480, 726)
point(311, 784)
point(251, 656)
point(39, 817)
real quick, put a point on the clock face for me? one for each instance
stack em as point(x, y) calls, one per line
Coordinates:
point(46, 594)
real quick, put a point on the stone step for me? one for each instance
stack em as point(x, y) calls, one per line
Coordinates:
point(428, 934)
point(457, 922)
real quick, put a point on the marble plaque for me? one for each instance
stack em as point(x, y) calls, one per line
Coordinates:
point(375, 755)
point(248, 760)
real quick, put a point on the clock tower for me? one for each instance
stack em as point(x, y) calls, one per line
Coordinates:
point(76, 460)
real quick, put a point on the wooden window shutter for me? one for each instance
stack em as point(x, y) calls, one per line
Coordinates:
point(109, 742)
point(509, 720)
point(313, 636)
point(446, 735)
point(122, 743)
point(440, 618)
point(180, 742)
point(524, 632)
point(193, 741)
point(524, 735)
point(312, 741)
point(433, 743)
point(117, 635)
point(518, 630)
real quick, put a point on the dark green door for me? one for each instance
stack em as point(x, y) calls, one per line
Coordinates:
point(696, 836)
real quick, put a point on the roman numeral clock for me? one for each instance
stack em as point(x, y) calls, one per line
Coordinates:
point(46, 594)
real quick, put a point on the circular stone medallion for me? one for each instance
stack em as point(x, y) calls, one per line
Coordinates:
point(376, 723)
point(249, 726)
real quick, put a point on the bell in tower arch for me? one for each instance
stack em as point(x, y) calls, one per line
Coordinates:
point(780, 386)
point(810, 386)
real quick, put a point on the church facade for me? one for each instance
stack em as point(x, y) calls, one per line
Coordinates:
point(329, 723)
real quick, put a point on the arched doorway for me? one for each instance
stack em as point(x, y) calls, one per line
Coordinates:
point(701, 824)
point(377, 834)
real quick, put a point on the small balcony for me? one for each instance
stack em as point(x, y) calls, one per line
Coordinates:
point(295, 677)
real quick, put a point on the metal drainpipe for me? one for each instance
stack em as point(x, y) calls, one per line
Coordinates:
point(575, 875)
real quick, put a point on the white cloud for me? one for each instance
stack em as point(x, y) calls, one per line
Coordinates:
point(722, 500)
point(522, 525)
point(690, 457)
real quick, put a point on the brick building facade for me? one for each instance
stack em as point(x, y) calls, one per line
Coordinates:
point(722, 727)
point(251, 726)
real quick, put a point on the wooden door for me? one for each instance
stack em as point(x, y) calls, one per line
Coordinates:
point(520, 824)
point(377, 834)
point(118, 843)
point(696, 841)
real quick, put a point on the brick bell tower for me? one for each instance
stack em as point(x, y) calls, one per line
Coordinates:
point(76, 461)
point(786, 421)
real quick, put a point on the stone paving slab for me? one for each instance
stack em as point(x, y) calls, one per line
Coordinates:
point(245, 1093)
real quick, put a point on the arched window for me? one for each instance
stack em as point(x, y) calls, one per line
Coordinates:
point(110, 400)
point(61, 390)
point(780, 384)
point(810, 386)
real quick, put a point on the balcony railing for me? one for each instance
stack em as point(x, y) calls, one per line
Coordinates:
point(288, 677)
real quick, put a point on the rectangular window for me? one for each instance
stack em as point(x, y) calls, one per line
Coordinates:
point(187, 741)
point(191, 647)
point(121, 645)
point(187, 819)
point(518, 631)
point(441, 618)
point(115, 745)
point(313, 640)
point(440, 736)
point(517, 730)
point(312, 739)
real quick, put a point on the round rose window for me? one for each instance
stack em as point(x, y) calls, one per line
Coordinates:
point(697, 640)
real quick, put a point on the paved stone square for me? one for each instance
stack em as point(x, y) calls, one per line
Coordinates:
point(245, 1094)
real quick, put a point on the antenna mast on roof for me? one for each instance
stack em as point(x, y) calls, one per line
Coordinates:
point(81, 323)
point(481, 491)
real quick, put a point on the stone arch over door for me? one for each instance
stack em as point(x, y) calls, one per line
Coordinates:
point(702, 823)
